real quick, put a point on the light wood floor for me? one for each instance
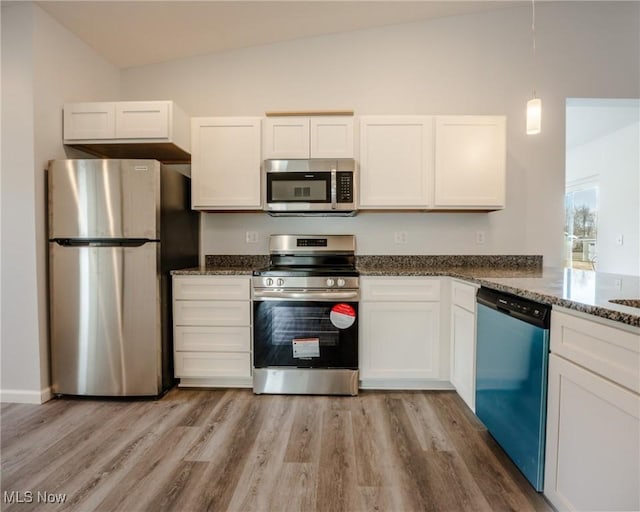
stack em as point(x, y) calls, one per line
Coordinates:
point(222, 450)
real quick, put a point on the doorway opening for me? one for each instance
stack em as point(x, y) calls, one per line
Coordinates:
point(602, 185)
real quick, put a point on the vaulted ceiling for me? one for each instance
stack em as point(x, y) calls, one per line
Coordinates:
point(130, 34)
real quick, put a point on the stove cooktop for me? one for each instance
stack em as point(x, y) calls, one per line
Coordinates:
point(293, 271)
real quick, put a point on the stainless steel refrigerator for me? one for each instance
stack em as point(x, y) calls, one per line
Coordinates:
point(116, 230)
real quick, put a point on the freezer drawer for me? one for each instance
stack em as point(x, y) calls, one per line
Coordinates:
point(104, 199)
point(105, 320)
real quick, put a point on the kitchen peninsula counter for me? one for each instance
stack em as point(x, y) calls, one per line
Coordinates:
point(580, 290)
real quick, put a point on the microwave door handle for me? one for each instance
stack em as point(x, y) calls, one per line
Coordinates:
point(334, 188)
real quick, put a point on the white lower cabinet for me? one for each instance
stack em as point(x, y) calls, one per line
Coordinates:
point(212, 330)
point(593, 417)
point(593, 436)
point(212, 366)
point(400, 333)
point(463, 341)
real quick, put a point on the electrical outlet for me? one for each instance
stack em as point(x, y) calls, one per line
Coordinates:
point(618, 284)
point(620, 240)
point(400, 237)
point(251, 237)
point(479, 237)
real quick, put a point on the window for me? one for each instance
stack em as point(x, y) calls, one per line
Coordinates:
point(581, 224)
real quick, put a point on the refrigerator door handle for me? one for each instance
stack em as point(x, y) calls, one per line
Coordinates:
point(129, 242)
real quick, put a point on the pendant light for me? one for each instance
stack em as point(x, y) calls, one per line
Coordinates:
point(534, 105)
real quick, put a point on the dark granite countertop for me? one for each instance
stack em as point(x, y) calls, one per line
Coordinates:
point(213, 271)
point(580, 290)
point(226, 265)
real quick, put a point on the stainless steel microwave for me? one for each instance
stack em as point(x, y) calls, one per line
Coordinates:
point(313, 187)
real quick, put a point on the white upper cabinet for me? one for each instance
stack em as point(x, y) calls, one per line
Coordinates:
point(286, 137)
point(90, 121)
point(331, 137)
point(426, 162)
point(143, 119)
point(225, 163)
point(128, 129)
point(126, 120)
point(470, 162)
point(396, 162)
point(308, 137)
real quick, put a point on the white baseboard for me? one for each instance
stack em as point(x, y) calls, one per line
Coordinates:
point(398, 384)
point(216, 382)
point(406, 384)
point(20, 396)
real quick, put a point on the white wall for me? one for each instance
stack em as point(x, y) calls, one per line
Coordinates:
point(43, 66)
point(619, 203)
point(475, 64)
point(22, 359)
point(613, 156)
point(427, 233)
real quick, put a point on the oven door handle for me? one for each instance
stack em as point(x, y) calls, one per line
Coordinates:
point(308, 295)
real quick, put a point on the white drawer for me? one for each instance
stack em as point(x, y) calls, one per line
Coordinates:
point(400, 288)
point(610, 352)
point(211, 312)
point(212, 364)
point(463, 295)
point(210, 339)
point(211, 287)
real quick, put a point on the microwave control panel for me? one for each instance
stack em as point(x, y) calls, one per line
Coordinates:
point(345, 187)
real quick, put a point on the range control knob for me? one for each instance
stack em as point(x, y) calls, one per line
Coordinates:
point(268, 281)
point(280, 282)
point(330, 282)
point(340, 282)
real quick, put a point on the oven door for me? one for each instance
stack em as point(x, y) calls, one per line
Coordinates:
point(305, 333)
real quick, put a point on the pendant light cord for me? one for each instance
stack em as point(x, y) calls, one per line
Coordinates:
point(533, 38)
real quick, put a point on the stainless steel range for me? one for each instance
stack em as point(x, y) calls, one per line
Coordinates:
point(305, 317)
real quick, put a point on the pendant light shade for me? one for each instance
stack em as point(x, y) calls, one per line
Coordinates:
point(534, 116)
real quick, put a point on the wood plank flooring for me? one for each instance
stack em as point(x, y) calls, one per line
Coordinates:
point(216, 450)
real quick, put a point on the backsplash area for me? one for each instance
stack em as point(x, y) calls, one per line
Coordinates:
point(236, 260)
point(390, 233)
point(504, 262)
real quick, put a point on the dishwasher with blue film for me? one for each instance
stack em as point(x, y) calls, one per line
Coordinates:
point(512, 358)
